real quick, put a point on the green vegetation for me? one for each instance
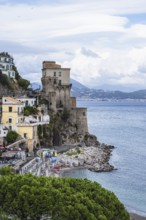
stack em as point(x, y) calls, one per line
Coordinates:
point(7, 171)
point(43, 101)
point(65, 114)
point(75, 152)
point(5, 54)
point(4, 216)
point(11, 137)
point(31, 197)
point(23, 83)
point(30, 110)
point(5, 81)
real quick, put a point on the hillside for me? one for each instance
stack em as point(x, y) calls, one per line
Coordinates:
point(10, 85)
point(78, 89)
point(81, 91)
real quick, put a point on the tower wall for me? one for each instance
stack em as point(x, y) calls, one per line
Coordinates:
point(79, 117)
point(56, 84)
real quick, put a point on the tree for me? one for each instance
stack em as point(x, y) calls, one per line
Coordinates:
point(23, 83)
point(4, 80)
point(30, 110)
point(7, 171)
point(11, 137)
point(32, 197)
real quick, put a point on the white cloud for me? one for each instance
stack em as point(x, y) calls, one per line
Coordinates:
point(95, 38)
point(110, 68)
point(43, 22)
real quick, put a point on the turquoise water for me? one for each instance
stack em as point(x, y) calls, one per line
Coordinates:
point(122, 124)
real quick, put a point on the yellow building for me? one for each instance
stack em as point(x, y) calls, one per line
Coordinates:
point(29, 131)
point(25, 126)
point(12, 111)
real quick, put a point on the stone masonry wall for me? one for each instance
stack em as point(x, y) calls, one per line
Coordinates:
point(79, 117)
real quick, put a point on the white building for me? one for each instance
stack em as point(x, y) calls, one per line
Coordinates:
point(3, 131)
point(6, 65)
point(28, 101)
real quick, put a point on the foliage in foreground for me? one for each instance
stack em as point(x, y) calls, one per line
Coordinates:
point(4, 216)
point(7, 170)
point(31, 197)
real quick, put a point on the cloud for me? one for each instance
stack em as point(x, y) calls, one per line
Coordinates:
point(112, 67)
point(102, 41)
point(142, 68)
point(89, 53)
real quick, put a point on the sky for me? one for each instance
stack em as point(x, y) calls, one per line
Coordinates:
point(102, 41)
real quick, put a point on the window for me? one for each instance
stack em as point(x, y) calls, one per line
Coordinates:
point(54, 73)
point(10, 128)
point(10, 120)
point(26, 102)
point(59, 73)
point(10, 109)
point(59, 82)
point(84, 113)
point(54, 81)
point(25, 135)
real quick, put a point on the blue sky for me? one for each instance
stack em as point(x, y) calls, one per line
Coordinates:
point(102, 41)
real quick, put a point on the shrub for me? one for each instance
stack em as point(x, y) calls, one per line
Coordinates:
point(30, 110)
point(11, 137)
point(4, 80)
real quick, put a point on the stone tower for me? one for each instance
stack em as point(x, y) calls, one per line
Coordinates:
point(56, 85)
point(56, 89)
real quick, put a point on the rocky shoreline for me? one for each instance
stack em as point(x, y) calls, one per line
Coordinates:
point(95, 158)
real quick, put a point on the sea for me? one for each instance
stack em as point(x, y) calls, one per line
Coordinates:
point(122, 124)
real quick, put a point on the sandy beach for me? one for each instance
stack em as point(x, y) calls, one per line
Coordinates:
point(134, 216)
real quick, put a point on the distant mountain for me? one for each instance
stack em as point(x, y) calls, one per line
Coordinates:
point(81, 91)
point(123, 88)
point(35, 86)
point(77, 84)
point(78, 89)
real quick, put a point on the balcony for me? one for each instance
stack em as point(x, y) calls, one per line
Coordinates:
point(33, 120)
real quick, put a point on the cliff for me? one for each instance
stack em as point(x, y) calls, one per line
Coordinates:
point(12, 87)
point(62, 130)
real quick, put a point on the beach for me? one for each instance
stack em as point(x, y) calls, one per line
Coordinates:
point(134, 216)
